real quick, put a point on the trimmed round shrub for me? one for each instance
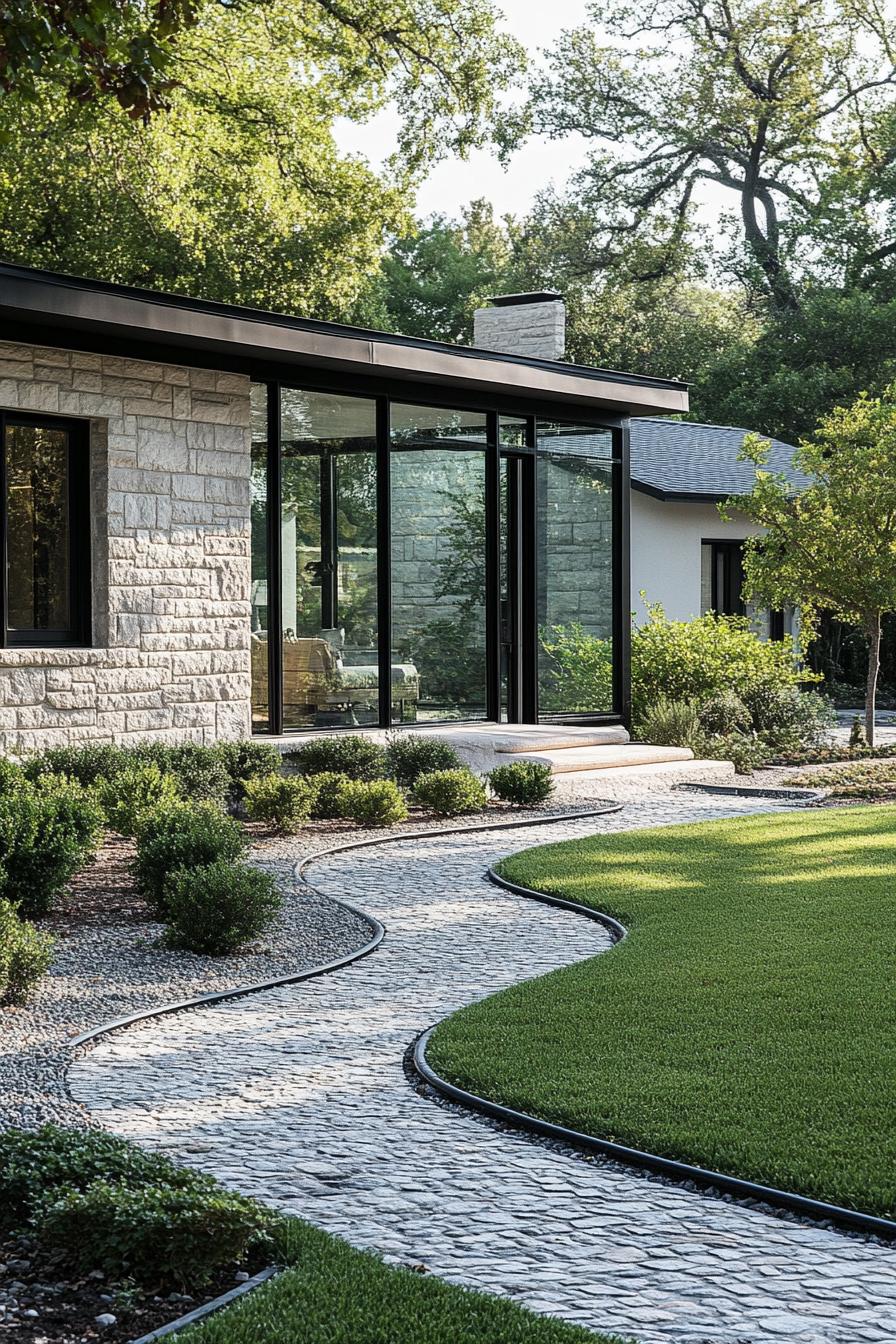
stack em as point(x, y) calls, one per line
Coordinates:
point(217, 908)
point(451, 793)
point(169, 838)
point(246, 758)
point(524, 783)
point(46, 834)
point(284, 801)
point(357, 757)
point(331, 792)
point(125, 797)
point(376, 802)
point(411, 755)
point(723, 713)
point(152, 1233)
point(25, 956)
point(747, 753)
point(34, 1163)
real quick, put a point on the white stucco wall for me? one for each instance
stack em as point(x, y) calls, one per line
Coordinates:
point(170, 535)
point(666, 540)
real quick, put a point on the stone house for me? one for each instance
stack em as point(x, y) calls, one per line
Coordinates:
point(218, 521)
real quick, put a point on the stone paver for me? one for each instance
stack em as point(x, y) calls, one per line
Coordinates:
point(298, 1096)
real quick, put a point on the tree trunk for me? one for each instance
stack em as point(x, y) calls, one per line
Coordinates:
point(872, 633)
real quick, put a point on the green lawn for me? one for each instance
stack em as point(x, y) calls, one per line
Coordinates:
point(337, 1295)
point(748, 1022)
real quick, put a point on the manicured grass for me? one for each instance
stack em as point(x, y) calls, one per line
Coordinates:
point(337, 1295)
point(748, 1022)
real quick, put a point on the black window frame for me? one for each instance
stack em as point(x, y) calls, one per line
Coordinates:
point(729, 601)
point(384, 393)
point(77, 634)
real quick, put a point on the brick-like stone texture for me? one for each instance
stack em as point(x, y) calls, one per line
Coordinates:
point(170, 555)
point(537, 330)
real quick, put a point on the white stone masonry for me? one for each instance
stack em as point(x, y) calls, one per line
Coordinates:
point(170, 555)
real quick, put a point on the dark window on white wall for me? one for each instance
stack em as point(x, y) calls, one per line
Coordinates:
point(45, 531)
point(722, 568)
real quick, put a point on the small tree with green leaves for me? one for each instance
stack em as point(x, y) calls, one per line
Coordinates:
point(833, 546)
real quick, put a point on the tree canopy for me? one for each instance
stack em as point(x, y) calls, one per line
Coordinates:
point(832, 547)
point(234, 187)
point(785, 104)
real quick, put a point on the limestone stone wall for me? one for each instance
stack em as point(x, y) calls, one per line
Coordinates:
point(536, 330)
point(170, 556)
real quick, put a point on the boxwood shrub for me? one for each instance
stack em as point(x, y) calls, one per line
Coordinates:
point(375, 802)
point(181, 836)
point(244, 759)
point(359, 757)
point(284, 801)
point(451, 793)
point(47, 832)
point(215, 908)
point(126, 796)
point(331, 792)
point(410, 755)
point(524, 783)
point(25, 956)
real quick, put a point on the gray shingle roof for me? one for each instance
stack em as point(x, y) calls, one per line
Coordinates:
point(675, 459)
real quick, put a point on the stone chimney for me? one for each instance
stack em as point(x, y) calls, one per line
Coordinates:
point(523, 324)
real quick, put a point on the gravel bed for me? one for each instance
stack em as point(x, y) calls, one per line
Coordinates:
point(101, 972)
point(105, 969)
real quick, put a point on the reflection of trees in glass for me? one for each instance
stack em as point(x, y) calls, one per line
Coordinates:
point(447, 651)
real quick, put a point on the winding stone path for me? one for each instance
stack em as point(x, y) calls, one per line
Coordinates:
point(298, 1096)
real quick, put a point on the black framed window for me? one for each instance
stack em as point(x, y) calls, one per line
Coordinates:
point(45, 525)
point(722, 577)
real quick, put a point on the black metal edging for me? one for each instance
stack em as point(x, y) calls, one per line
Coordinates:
point(814, 1210)
point(379, 930)
point(209, 1308)
point(241, 991)
point(792, 795)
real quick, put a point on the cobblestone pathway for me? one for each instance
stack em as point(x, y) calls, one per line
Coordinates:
point(298, 1096)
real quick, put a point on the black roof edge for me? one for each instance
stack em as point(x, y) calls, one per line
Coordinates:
point(679, 496)
point(536, 296)
point(235, 311)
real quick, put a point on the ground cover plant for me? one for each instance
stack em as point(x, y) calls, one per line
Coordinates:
point(141, 1222)
point(745, 1024)
point(869, 780)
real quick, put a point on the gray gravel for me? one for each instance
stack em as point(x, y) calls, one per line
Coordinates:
point(101, 973)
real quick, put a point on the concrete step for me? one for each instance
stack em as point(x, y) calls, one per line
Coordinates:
point(510, 740)
point(574, 760)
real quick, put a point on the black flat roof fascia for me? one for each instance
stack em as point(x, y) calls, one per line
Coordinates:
point(53, 308)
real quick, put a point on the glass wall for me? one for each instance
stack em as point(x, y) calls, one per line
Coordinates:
point(575, 568)
point(474, 579)
point(328, 548)
point(438, 564)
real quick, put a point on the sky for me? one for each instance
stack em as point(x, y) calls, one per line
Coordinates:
point(453, 183)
